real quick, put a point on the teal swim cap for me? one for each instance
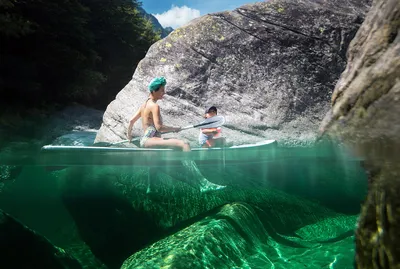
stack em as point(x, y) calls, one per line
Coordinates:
point(156, 83)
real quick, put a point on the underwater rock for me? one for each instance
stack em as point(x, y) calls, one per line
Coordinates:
point(105, 219)
point(8, 173)
point(222, 239)
point(116, 214)
point(233, 236)
point(365, 115)
point(269, 67)
point(21, 247)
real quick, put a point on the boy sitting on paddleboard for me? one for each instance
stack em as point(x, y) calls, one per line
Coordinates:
point(211, 137)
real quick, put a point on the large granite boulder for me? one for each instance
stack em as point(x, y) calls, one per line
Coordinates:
point(20, 247)
point(365, 115)
point(269, 67)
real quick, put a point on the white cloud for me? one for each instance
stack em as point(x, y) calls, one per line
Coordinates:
point(177, 16)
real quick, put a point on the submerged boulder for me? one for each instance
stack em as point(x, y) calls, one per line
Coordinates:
point(234, 237)
point(269, 67)
point(20, 247)
point(116, 214)
point(8, 173)
point(365, 115)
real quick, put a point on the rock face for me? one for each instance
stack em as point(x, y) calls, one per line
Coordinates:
point(269, 67)
point(365, 114)
point(21, 247)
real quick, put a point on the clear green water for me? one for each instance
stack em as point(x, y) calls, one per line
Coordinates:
point(301, 208)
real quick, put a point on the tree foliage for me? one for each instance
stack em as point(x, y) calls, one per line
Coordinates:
point(61, 51)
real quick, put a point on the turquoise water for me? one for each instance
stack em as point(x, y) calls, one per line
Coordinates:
point(286, 208)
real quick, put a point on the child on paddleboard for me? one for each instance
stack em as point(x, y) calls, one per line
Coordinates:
point(211, 137)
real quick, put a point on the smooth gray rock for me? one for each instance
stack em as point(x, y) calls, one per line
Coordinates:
point(269, 67)
point(365, 115)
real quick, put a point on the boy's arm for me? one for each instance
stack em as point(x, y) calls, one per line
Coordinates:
point(209, 131)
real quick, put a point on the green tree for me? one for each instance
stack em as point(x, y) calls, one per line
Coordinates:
point(48, 55)
point(56, 52)
point(122, 38)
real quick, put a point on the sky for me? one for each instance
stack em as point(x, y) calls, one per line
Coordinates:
point(176, 13)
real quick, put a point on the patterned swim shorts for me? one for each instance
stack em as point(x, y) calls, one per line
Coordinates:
point(150, 132)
